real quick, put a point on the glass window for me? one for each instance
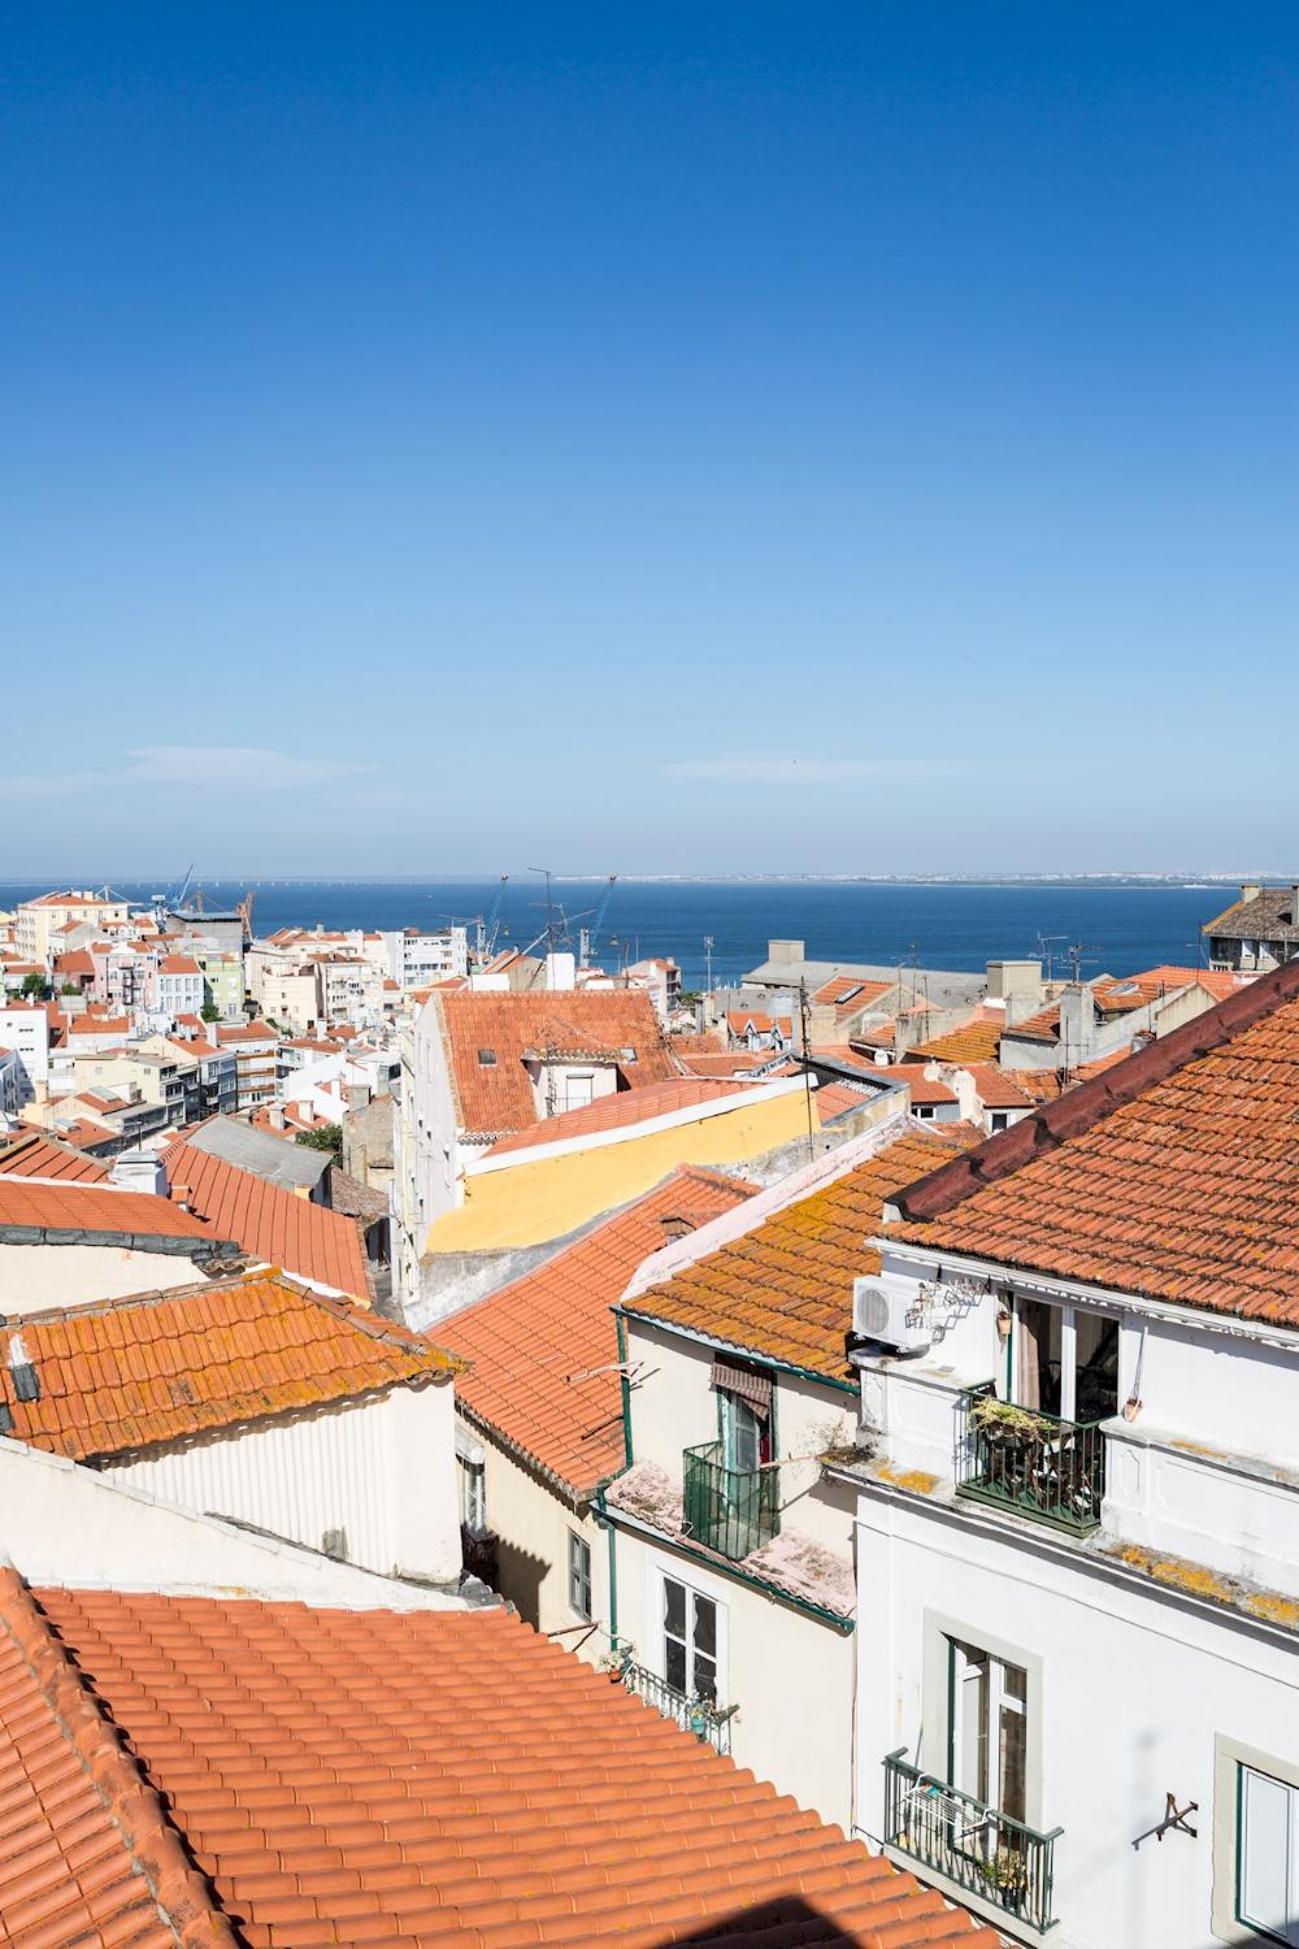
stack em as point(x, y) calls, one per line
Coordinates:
point(742, 1434)
point(579, 1574)
point(474, 1497)
point(690, 1641)
point(1267, 1855)
point(988, 1731)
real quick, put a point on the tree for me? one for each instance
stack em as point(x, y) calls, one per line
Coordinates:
point(328, 1137)
point(210, 1012)
point(69, 988)
point(35, 988)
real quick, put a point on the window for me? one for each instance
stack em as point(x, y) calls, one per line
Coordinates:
point(690, 1640)
point(579, 1088)
point(745, 1434)
point(579, 1574)
point(1267, 1855)
point(1065, 1361)
point(474, 1497)
point(999, 1120)
point(987, 1728)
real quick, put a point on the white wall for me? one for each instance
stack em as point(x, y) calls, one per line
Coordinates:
point(36, 1276)
point(380, 1469)
point(1134, 1687)
point(61, 1524)
point(790, 1674)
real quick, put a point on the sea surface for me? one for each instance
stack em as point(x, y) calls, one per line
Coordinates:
point(1114, 928)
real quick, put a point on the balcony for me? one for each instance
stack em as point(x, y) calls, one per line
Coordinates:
point(703, 1717)
point(1022, 1459)
point(982, 1852)
point(732, 1511)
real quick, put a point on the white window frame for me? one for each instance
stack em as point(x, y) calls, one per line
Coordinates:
point(941, 1630)
point(580, 1580)
point(660, 1576)
point(1232, 1759)
point(473, 1497)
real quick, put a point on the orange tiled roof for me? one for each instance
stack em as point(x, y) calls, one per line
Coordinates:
point(541, 1351)
point(741, 1020)
point(178, 964)
point(70, 1800)
point(924, 1089)
point(43, 1156)
point(623, 1107)
point(496, 1097)
point(838, 1100)
point(735, 1062)
point(1173, 1174)
point(784, 1289)
point(849, 994)
point(976, 1042)
point(91, 1024)
point(73, 1207)
point(129, 1373)
point(996, 1088)
point(1042, 1027)
point(271, 1224)
point(452, 1777)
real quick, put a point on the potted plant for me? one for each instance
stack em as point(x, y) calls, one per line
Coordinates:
point(1003, 1422)
point(1006, 1870)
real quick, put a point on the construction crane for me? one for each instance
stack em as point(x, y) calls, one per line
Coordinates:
point(173, 899)
point(485, 941)
point(588, 937)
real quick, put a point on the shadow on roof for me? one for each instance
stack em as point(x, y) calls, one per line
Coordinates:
point(788, 1923)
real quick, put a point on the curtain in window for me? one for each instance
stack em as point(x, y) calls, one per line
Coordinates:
point(1029, 1328)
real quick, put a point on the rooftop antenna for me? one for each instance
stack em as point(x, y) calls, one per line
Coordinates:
point(708, 963)
point(1046, 947)
point(1077, 949)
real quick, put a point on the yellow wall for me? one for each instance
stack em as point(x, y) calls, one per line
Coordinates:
point(542, 1198)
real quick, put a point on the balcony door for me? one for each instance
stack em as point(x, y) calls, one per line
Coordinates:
point(987, 1728)
point(692, 1647)
point(1064, 1361)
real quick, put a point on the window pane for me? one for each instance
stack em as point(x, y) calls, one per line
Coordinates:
point(970, 1720)
point(674, 1663)
point(705, 1684)
point(1010, 1797)
point(705, 1627)
point(674, 1608)
point(1265, 1854)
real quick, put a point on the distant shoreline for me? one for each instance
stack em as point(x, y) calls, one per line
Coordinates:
point(1108, 881)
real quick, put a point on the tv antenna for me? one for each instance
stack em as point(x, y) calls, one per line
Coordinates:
point(708, 963)
point(1076, 951)
point(1046, 947)
point(550, 906)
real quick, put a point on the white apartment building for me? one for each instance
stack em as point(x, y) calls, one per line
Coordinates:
point(176, 987)
point(25, 1031)
point(1078, 1505)
point(37, 922)
point(417, 960)
point(733, 1596)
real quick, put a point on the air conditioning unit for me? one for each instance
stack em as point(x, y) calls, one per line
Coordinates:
point(888, 1312)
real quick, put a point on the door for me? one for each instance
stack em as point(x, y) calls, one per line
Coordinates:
point(1267, 1873)
point(988, 1728)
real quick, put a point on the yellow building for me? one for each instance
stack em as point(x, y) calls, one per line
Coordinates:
point(546, 1182)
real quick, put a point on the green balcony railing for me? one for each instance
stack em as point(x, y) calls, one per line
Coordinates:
point(1023, 1459)
point(703, 1717)
point(732, 1511)
point(983, 1852)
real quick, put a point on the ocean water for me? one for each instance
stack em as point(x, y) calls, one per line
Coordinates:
point(1119, 927)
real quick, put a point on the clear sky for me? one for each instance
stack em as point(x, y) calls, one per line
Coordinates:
point(680, 438)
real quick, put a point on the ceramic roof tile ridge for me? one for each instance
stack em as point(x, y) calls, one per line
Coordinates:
point(1087, 1105)
point(155, 1850)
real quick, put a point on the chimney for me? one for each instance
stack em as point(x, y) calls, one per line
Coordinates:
point(1250, 891)
point(26, 1381)
point(1077, 1025)
point(180, 1196)
point(561, 972)
point(275, 1116)
point(140, 1170)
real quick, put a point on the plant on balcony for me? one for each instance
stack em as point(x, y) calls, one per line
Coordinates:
point(1006, 1870)
point(1002, 1421)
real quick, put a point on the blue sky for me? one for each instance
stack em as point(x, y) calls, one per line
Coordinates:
point(699, 438)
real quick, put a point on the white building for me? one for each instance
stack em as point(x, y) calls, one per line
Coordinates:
point(417, 960)
point(25, 1030)
point(732, 1545)
point(1078, 1505)
point(176, 987)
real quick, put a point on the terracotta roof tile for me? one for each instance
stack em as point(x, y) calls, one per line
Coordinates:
point(126, 1374)
point(43, 1156)
point(451, 1777)
point(487, 1038)
point(70, 1801)
point(72, 1207)
point(541, 1351)
point(621, 1108)
point(270, 1223)
point(924, 1089)
point(784, 1289)
point(849, 994)
point(997, 1089)
point(976, 1041)
point(1174, 1173)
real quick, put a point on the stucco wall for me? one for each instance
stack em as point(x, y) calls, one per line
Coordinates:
point(36, 1276)
point(1132, 1689)
point(790, 1675)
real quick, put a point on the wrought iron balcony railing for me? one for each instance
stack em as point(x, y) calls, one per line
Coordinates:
point(733, 1511)
point(1023, 1459)
point(703, 1717)
point(983, 1852)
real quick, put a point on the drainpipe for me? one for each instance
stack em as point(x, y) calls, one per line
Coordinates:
point(624, 1382)
point(603, 1516)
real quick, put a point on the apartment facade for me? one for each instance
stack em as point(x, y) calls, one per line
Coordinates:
point(1078, 1505)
